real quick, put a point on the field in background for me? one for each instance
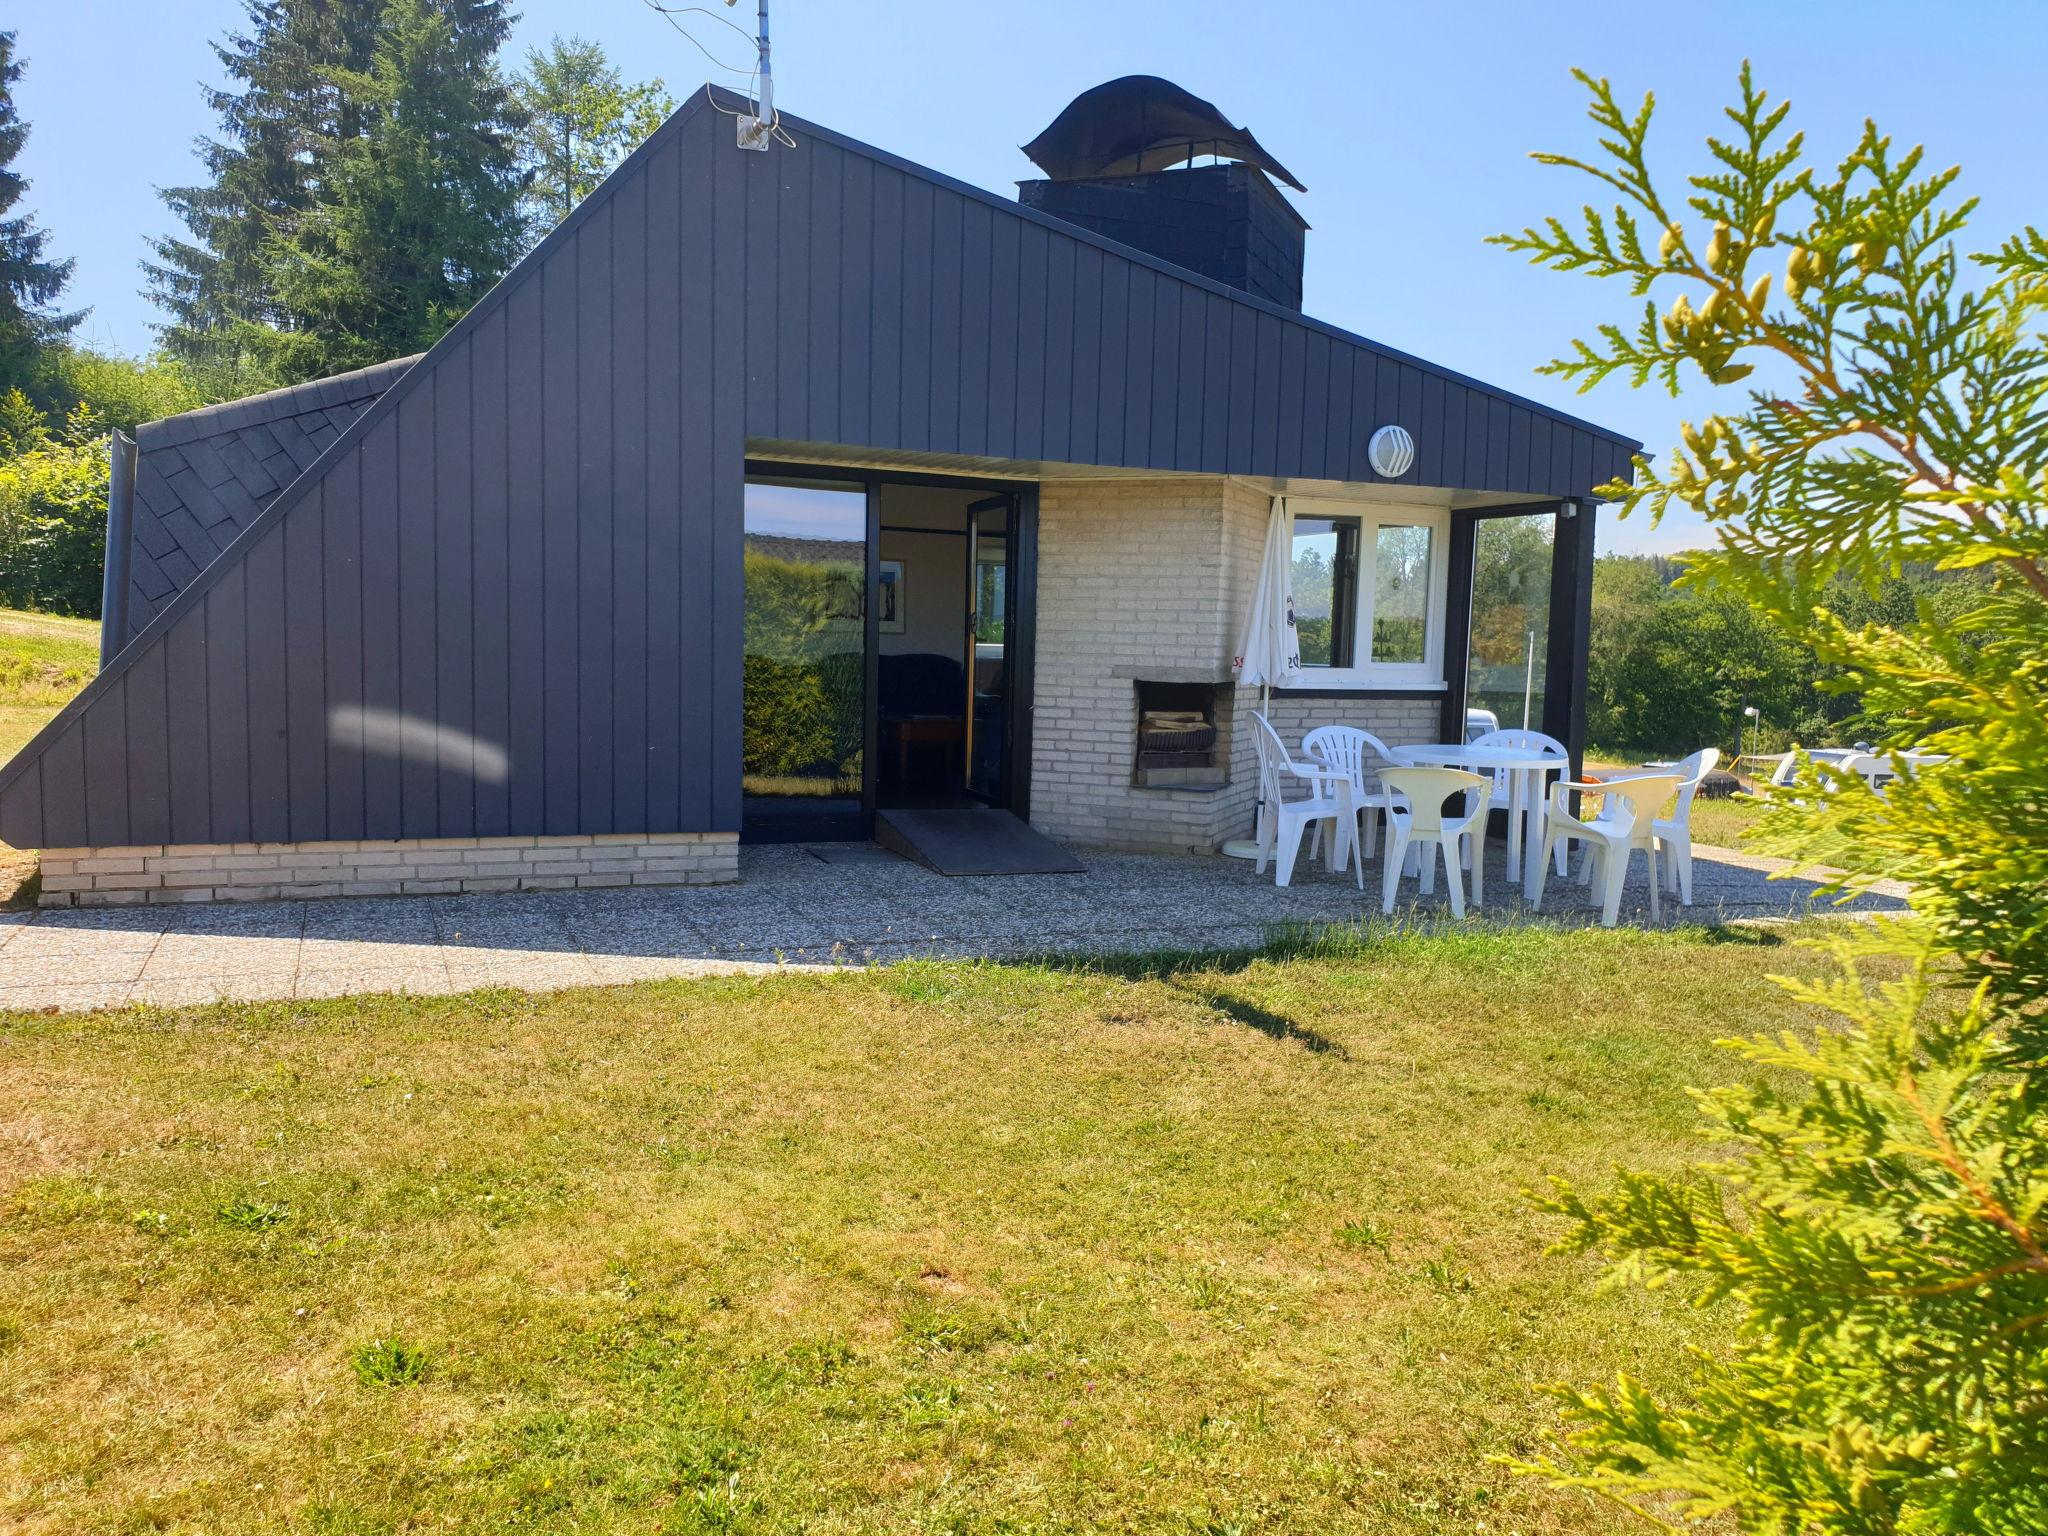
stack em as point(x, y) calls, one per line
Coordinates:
point(1232, 1245)
point(44, 660)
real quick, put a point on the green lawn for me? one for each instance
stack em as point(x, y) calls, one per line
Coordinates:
point(1231, 1245)
point(44, 660)
point(1722, 822)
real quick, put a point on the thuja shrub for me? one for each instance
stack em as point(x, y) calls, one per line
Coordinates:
point(1879, 1223)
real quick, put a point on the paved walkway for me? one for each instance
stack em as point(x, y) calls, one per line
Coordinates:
point(825, 904)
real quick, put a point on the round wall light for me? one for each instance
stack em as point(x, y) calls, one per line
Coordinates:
point(1391, 452)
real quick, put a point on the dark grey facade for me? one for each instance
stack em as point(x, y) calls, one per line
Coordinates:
point(533, 537)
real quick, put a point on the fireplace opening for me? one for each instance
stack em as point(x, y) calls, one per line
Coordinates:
point(1177, 737)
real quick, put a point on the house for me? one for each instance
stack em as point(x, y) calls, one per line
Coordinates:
point(776, 494)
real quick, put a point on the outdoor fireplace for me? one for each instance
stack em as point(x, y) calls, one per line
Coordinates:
point(1177, 737)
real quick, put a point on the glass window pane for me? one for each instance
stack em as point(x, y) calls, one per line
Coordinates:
point(1325, 590)
point(1511, 560)
point(805, 640)
point(1400, 594)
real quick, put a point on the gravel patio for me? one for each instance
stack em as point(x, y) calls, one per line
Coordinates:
point(798, 904)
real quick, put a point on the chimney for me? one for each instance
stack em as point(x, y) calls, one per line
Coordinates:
point(1117, 161)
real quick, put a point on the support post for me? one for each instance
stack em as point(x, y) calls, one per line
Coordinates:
point(1457, 622)
point(120, 530)
point(1571, 629)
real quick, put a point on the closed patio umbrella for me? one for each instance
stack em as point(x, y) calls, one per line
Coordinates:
point(1269, 651)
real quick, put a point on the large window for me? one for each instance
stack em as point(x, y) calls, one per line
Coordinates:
point(1368, 595)
point(805, 634)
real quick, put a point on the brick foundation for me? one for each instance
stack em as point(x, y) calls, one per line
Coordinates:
point(103, 877)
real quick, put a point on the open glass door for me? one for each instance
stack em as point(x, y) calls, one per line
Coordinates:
point(988, 615)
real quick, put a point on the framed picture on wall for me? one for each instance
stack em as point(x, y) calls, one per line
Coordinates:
point(893, 616)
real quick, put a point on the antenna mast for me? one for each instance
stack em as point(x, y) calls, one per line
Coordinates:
point(758, 132)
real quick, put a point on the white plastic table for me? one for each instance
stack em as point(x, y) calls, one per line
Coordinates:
point(1525, 768)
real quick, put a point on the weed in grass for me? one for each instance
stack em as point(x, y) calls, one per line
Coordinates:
point(1203, 1290)
point(250, 1215)
point(1446, 1278)
point(935, 1327)
point(930, 1405)
point(1364, 1234)
point(720, 1507)
point(151, 1223)
point(389, 1363)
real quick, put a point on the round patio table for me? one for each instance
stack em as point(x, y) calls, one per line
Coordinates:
point(1525, 768)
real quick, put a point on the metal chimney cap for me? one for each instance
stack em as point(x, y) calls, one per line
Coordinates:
point(1142, 123)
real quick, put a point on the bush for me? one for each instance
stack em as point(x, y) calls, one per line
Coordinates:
point(123, 392)
point(53, 512)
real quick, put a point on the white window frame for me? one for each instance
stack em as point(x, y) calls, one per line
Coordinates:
point(1370, 517)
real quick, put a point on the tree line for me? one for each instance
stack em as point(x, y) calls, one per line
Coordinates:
point(1673, 665)
point(375, 169)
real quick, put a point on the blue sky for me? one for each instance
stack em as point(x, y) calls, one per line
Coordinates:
point(1409, 122)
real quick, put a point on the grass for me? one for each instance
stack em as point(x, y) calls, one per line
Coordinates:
point(44, 660)
point(1723, 822)
point(1196, 1246)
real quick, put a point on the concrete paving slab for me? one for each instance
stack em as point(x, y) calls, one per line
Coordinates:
point(796, 906)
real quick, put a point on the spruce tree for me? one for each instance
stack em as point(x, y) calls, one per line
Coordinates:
point(285, 103)
point(29, 283)
point(419, 212)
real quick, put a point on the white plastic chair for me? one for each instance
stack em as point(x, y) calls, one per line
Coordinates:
point(1282, 822)
point(1626, 822)
point(1506, 784)
point(1362, 757)
point(1416, 816)
point(1674, 834)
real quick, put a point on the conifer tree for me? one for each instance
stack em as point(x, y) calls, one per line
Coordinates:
point(29, 282)
point(419, 212)
point(1879, 1221)
point(285, 103)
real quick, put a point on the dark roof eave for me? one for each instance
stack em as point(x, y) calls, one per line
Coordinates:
point(292, 400)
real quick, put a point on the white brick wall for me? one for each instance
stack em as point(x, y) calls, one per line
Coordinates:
point(101, 877)
point(1134, 581)
point(1151, 579)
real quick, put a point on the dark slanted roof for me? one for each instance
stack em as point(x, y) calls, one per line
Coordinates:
point(1143, 123)
point(202, 477)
